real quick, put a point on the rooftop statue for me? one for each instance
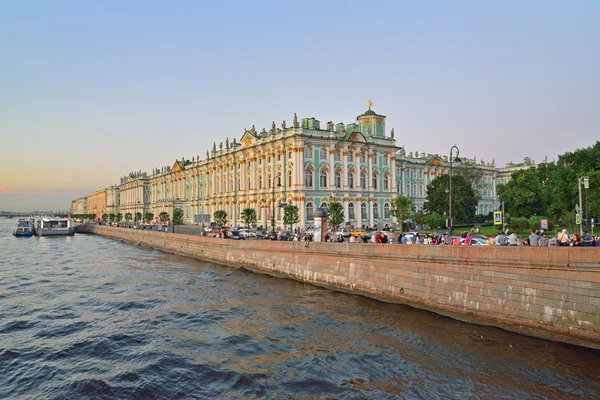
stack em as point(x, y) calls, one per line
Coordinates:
point(253, 130)
point(226, 143)
point(207, 155)
point(234, 142)
point(263, 133)
point(392, 133)
point(214, 146)
point(296, 124)
point(283, 125)
point(273, 127)
point(330, 126)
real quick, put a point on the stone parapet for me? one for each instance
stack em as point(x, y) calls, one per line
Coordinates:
point(551, 293)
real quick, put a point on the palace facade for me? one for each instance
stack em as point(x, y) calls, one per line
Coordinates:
point(357, 164)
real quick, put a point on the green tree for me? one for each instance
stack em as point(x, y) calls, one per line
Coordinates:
point(119, 217)
point(220, 217)
point(521, 195)
point(178, 216)
point(148, 217)
point(401, 210)
point(138, 216)
point(291, 215)
point(434, 220)
point(464, 198)
point(163, 216)
point(128, 216)
point(111, 217)
point(249, 216)
point(335, 214)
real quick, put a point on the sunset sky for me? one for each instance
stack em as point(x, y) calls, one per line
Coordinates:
point(90, 91)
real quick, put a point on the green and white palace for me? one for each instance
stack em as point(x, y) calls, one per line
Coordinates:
point(359, 165)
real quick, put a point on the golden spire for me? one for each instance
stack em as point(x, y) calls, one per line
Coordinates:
point(369, 104)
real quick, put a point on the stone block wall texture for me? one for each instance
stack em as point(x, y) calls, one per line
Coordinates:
point(551, 293)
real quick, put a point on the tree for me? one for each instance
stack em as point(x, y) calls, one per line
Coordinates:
point(291, 215)
point(138, 216)
point(128, 216)
point(163, 216)
point(249, 216)
point(536, 221)
point(111, 217)
point(220, 217)
point(401, 210)
point(464, 197)
point(178, 216)
point(434, 220)
point(335, 214)
point(522, 194)
point(119, 217)
point(519, 224)
point(148, 217)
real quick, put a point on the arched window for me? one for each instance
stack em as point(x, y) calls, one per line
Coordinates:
point(323, 154)
point(323, 179)
point(363, 158)
point(385, 159)
point(309, 210)
point(386, 210)
point(374, 181)
point(421, 189)
point(323, 204)
point(260, 186)
point(248, 186)
point(351, 211)
point(289, 182)
point(338, 180)
point(350, 156)
point(337, 156)
point(363, 211)
point(398, 186)
point(363, 180)
point(308, 153)
point(386, 182)
point(415, 193)
point(269, 181)
point(350, 180)
point(407, 189)
point(308, 178)
point(375, 210)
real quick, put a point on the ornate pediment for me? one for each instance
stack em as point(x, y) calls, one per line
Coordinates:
point(436, 160)
point(178, 166)
point(354, 137)
point(247, 139)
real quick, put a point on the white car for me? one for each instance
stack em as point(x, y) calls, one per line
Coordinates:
point(247, 233)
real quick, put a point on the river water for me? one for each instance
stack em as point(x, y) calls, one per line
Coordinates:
point(89, 317)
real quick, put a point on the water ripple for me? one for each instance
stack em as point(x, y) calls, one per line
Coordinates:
point(90, 318)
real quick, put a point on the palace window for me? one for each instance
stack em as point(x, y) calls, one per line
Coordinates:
point(363, 158)
point(289, 182)
point(385, 159)
point(308, 178)
point(375, 210)
point(374, 181)
point(386, 182)
point(278, 156)
point(309, 211)
point(269, 181)
point(308, 153)
point(363, 211)
point(323, 204)
point(415, 193)
point(350, 180)
point(260, 185)
point(351, 211)
point(363, 180)
point(289, 155)
point(421, 190)
point(323, 153)
point(337, 156)
point(350, 156)
point(386, 210)
point(407, 189)
point(338, 180)
point(398, 186)
point(323, 179)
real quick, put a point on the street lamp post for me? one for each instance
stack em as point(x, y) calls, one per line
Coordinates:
point(450, 222)
point(273, 202)
point(585, 181)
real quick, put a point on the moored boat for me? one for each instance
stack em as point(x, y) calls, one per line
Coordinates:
point(24, 228)
point(53, 226)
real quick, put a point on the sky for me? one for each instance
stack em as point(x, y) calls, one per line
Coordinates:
point(90, 91)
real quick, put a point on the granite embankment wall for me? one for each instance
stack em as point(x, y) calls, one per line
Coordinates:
point(552, 293)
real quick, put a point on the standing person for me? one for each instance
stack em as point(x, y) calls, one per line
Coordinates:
point(400, 236)
point(562, 238)
point(468, 240)
point(576, 240)
point(501, 240)
point(534, 240)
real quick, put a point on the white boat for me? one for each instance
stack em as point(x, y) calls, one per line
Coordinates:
point(53, 226)
point(24, 228)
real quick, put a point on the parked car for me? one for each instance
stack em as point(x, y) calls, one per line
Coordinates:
point(358, 232)
point(234, 234)
point(260, 233)
point(285, 236)
point(247, 233)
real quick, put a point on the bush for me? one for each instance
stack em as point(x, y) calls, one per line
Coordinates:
point(535, 223)
point(434, 220)
point(519, 224)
